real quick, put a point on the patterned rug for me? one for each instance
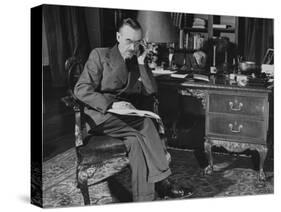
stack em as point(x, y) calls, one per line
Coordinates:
point(233, 176)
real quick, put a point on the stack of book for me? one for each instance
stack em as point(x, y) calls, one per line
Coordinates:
point(199, 23)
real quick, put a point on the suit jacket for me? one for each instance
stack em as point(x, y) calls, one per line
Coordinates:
point(106, 78)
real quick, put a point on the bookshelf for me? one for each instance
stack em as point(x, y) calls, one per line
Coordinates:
point(230, 31)
point(215, 26)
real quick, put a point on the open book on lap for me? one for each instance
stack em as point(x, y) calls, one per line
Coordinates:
point(134, 112)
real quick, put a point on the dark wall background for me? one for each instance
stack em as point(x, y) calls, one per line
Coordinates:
point(76, 30)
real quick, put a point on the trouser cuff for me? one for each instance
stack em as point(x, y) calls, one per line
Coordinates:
point(159, 177)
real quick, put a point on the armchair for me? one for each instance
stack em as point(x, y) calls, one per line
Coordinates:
point(94, 152)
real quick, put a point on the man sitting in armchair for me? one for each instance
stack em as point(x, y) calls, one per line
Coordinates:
point(109, 79)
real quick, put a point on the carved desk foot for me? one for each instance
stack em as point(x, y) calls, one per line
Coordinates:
point(262, 176)
point(235, 147)
point(262, 149)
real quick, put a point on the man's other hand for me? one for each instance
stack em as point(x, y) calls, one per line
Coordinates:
point(122, 105)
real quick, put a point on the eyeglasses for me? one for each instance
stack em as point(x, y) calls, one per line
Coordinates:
point(136, 43)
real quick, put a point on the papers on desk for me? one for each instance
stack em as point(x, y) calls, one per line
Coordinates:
point(201, 77)
point(179, 76)
point(162, 72)
point(175, 74)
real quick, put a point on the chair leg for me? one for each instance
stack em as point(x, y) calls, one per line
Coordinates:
point(83, 186)
point(85, 192)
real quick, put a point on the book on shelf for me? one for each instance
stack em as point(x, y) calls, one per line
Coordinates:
point(198, 27)
point(191, 40)
point(221, 26)
point(181, 41)
point(186, 40)
point(198, 41)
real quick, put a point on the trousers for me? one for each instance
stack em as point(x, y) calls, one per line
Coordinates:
point(146, 152)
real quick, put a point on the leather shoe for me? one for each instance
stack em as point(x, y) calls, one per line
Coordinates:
point(168, 189)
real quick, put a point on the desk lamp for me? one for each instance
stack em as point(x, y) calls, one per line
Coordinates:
point(157, 28)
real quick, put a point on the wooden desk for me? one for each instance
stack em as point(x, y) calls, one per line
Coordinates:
point(236, 117)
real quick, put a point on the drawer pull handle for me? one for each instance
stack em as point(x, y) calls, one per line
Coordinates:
point(231, 105)
point(235, 131)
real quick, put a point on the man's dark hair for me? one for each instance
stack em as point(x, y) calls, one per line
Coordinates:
point(129, 22)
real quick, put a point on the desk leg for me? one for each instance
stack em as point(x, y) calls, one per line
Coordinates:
point(262, 150)
point(208, 149)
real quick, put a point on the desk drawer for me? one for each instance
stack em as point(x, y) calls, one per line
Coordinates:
point(235, 127)
point(235, 104)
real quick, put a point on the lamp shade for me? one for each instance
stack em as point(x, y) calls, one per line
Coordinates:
point(157, 26)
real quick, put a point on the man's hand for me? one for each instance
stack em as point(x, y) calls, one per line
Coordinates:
point(142, 57)
point(122, 105)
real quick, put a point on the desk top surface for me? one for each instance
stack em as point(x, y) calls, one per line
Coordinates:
point(215, 83)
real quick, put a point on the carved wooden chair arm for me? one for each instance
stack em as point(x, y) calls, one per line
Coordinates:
point(69, 101)
point(80, 131)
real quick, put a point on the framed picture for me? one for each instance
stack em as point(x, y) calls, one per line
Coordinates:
point(269, 57)
point(128, 115)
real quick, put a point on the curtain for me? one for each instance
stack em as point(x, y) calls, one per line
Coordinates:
point(182, 20)
point(258, 37)
point(66, 36)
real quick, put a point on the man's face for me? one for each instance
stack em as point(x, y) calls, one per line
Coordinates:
point(128, 39)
